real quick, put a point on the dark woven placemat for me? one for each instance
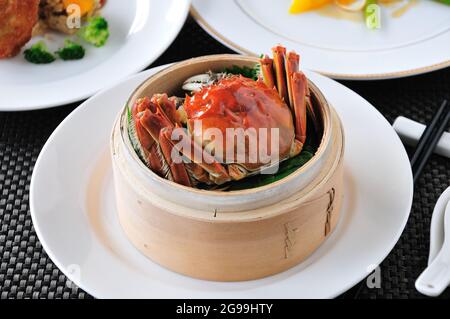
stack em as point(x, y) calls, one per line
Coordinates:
point(27, 272)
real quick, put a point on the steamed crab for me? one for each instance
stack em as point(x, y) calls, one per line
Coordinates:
point(279, 99)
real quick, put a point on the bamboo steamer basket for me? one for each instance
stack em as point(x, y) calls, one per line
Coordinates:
point(227, 236)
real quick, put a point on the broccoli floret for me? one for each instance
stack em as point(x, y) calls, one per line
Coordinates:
point(71, 51)
point(39, 54)
point(95, 32)
point(251, 73)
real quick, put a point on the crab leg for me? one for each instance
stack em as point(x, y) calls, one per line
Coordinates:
point(310, 108)
point(198, 173)
point(217, 173)
point(237, 172)
point(160, 115)
point(167, 107)
point(144, 138)
point(267, 71)
point(155, 161)
point(292, 65)
point(155, 122)
point(279, 54)
point(299, 91)
point(149, 146)
point(179, 173)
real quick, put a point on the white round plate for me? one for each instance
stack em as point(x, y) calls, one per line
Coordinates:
point(73, 209)
point(141, 30)
point(416, 42)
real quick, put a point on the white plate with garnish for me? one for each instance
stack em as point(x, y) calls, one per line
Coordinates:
point(140, 31)
point(73, 208)
point(413, 38)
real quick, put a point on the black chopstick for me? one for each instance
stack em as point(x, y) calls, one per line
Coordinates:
point(429, 140)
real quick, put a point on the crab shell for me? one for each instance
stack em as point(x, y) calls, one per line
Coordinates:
point(240, 103)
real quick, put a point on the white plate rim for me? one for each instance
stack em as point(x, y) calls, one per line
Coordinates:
point(338, 76)
point(85, 287)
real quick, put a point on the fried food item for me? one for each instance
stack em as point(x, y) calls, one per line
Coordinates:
point(17, 18)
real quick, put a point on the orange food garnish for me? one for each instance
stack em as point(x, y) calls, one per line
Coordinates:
point(299, 6)
point(86, 6)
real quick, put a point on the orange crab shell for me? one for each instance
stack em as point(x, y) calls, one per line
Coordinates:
point(239, 102)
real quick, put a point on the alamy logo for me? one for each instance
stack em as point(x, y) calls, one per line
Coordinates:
point(251, 146)
point(74, 16)
point(74, 272)
point(374, 279)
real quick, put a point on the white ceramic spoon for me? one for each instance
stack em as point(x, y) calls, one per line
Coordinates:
point(437, 226)
point(436, 278)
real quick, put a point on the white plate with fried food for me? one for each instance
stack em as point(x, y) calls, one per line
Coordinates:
point(365, 40)
point(139, 32)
